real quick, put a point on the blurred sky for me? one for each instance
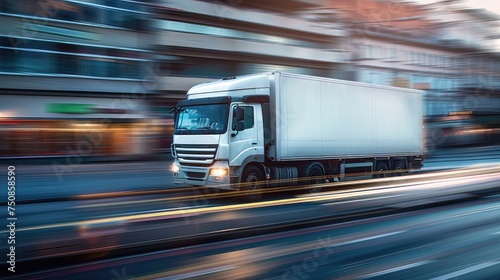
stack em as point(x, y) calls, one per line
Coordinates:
point(493, 6)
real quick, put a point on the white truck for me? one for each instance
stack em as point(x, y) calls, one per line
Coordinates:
point(272, 129)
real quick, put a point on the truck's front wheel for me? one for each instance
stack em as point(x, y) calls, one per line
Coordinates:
point(252, 181)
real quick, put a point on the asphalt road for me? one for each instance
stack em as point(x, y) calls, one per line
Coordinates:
point(441, 242)
point(423, 226)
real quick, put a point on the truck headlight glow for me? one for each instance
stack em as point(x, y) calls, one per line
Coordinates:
point(218, 172)
point(175, 168)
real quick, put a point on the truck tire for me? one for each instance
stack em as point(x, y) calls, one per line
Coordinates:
point(252, 180)
point(380, 170)
point(314, 175)
point(398, 167)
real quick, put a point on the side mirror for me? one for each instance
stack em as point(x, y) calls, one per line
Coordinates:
point(240, 126)
point(239, 113)
point(238, 117)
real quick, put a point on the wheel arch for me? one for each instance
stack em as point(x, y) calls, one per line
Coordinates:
point(254, 160)
point(308, 166)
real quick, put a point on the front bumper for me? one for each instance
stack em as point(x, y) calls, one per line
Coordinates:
point(200, 176)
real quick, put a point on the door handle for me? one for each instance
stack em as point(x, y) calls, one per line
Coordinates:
point(254, 143)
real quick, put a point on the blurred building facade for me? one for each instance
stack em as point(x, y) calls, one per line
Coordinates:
point(198, 41)
point(71, 78)
point(443, 48)
point(98, 77)
point(402, 44)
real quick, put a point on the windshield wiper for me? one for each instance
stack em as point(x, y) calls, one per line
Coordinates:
point(206, 128)
point(210, 128)
point(183, 129)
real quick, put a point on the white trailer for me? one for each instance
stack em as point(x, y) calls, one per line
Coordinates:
point(275, 128)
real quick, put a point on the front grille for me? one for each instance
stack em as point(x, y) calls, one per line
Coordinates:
point(195, 175)
point(192, 154)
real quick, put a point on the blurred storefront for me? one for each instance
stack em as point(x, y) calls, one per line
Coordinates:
point(74, 79)
point(32, 126)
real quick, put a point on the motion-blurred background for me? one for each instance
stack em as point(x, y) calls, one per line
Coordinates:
point(97, 78)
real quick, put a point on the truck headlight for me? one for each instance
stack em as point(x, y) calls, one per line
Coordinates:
point(175, 168)
point(218, 172)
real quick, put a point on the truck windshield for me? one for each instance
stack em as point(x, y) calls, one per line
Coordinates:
point(202, 119)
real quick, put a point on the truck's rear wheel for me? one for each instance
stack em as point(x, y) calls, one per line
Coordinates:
point(381, 170)
point(252, 181)
point(314, 175)
point(398, 167)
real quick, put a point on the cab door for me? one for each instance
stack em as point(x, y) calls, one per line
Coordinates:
point(245, 140)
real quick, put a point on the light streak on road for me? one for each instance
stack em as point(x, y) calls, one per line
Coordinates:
point(370, 238)
point(395, 269)
point(464, 271)
point(395, 181)
point(448, 184)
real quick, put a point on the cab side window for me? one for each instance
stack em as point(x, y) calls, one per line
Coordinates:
point(248, 116)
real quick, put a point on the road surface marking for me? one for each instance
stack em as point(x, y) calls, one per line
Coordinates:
point(199, 273)
point(466, 270)
point(368, 238)
point(394, 269)
point(360, 200)
point(492, 208)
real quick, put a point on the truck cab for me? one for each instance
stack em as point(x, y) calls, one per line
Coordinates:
point(218, 131)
